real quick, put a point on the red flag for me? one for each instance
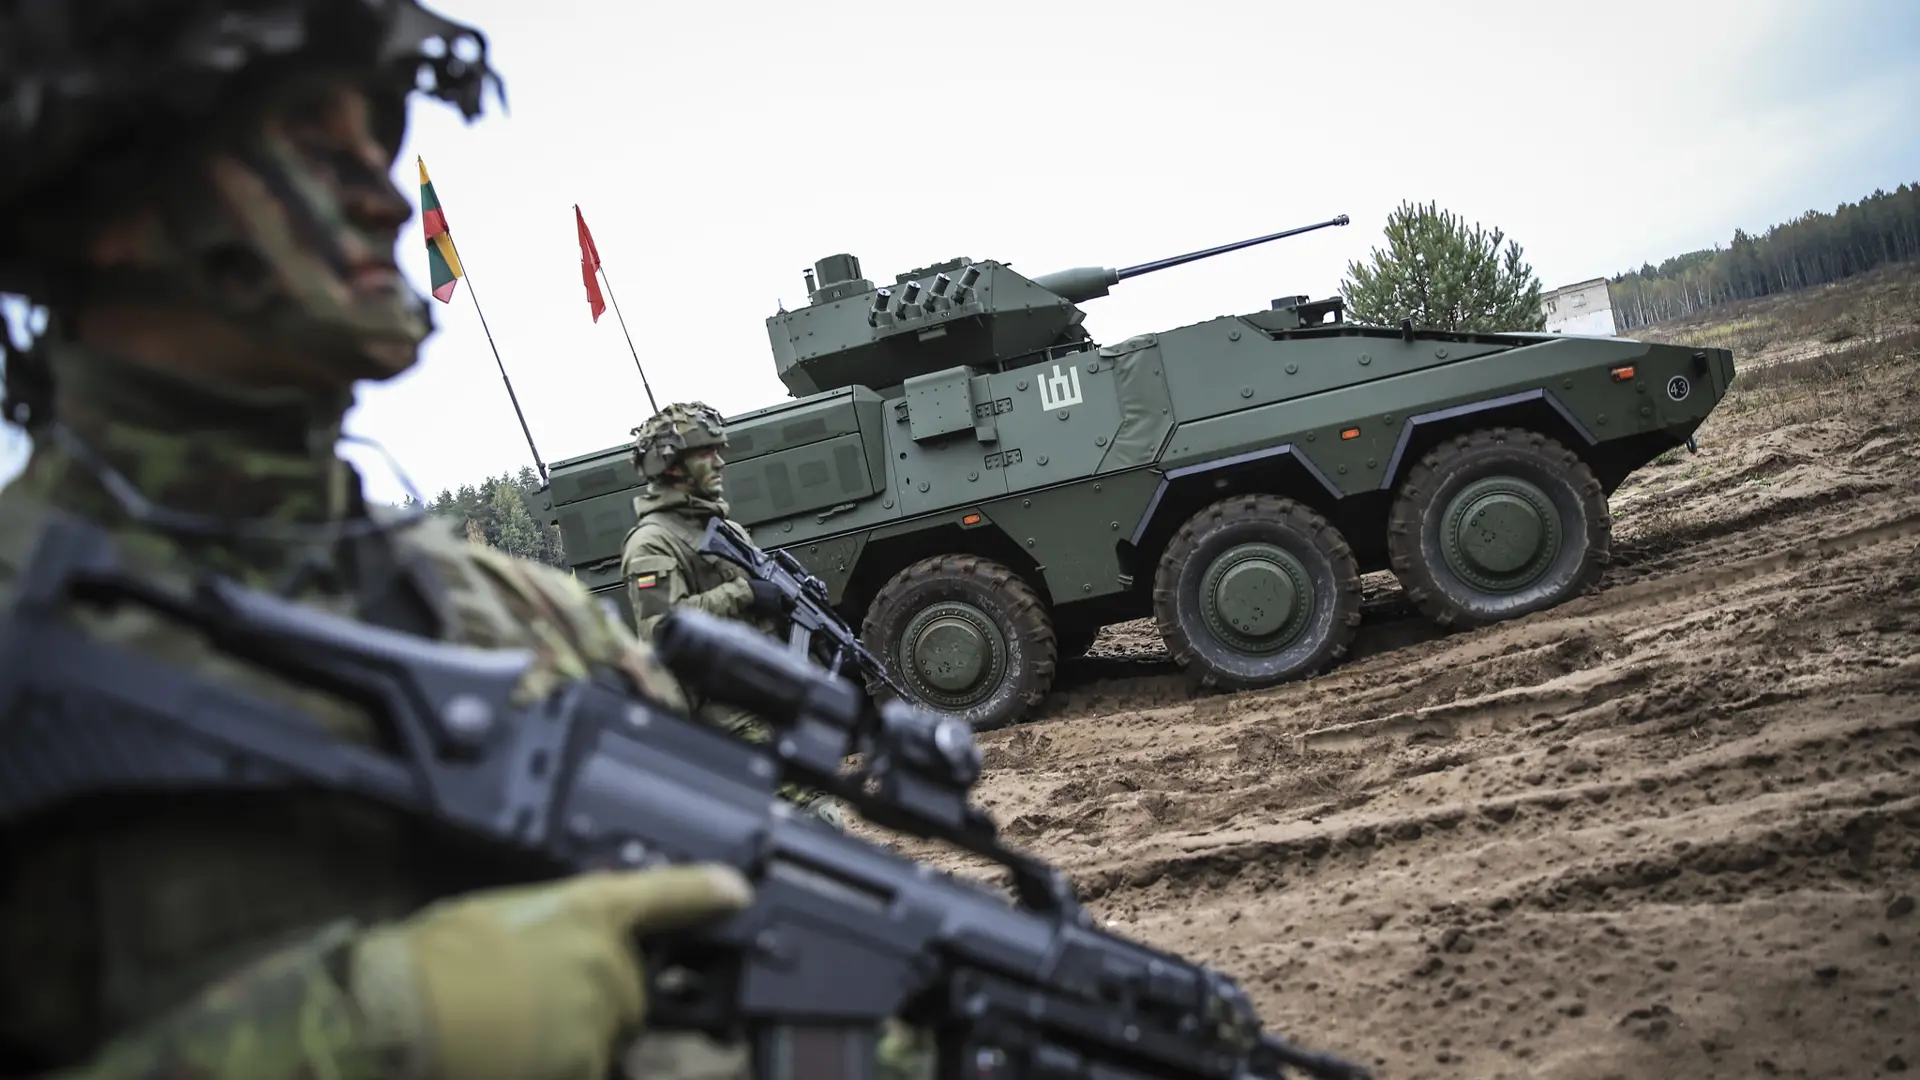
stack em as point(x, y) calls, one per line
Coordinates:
point(589, 262)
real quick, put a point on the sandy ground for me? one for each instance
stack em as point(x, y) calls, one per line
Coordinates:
point(1669, 829)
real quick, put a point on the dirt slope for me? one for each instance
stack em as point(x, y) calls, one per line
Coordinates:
point(1669, 829)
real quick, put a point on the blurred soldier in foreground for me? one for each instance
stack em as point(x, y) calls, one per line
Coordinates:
point(198, 192)
point(677, 451)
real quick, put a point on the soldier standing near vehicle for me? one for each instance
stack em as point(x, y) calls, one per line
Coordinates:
point(198, 192)
point(677, 451)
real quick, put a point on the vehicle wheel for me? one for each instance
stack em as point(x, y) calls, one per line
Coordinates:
point(966, 636)
point(1256, 590)
point(1496, 524)
point(1074, 639)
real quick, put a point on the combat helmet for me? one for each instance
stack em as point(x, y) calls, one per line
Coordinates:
point(94, 92)
point(673, 431)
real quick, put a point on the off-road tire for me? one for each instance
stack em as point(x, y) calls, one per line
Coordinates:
point(1415, 526)
point(1301, 533)
point(1009, 603)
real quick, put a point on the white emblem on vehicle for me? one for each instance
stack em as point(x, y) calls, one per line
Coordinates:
point(1058, 391)
point(1678, 388)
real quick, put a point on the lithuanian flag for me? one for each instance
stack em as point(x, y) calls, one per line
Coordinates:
point(442, 259)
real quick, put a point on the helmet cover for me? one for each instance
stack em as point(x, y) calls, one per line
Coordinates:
point(668, 435)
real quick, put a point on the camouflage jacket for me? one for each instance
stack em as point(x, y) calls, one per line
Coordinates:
point(110, 915)
point(664, 569)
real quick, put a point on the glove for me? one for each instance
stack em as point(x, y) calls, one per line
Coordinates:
point(767, 598)
point(531, 983)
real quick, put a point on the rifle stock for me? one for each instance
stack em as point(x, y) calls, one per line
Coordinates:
point(841, 933)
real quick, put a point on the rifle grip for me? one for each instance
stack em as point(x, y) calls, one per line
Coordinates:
point(816, 1052)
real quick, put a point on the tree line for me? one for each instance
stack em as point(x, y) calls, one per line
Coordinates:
point(504, 512)
point(1815, 248)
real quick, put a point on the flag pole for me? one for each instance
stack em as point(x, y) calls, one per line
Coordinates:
point(439, 216)
point(590, 264)
point(511, 396)
point(623, 329)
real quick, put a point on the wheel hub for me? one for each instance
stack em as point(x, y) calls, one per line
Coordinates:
point(1257, 598)
point(1500, 533)
point(953, 654)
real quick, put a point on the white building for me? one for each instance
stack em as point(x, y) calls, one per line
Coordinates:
point(1586, 308)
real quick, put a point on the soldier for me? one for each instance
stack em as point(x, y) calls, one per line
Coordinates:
point(198, 192)
point(677, 451)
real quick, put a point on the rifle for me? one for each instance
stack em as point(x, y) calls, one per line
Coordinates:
point(810, 608)
point(841, 934)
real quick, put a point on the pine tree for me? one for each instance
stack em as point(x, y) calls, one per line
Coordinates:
point(504, 512)
point(515, 531)
point(1444, 275)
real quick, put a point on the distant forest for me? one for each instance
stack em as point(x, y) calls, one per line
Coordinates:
point(502, 512)
point(1815, 248)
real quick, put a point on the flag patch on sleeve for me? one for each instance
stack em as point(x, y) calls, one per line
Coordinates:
point(645, 581)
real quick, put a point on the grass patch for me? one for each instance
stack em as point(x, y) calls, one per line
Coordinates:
point(1848, 349)
point(1873, 381)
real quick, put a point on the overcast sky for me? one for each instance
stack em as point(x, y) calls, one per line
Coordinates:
point(717, 150)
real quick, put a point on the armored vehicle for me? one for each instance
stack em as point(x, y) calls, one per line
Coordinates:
point(982, 486)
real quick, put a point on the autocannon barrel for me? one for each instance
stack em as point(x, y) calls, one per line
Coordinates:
point(1084, 283)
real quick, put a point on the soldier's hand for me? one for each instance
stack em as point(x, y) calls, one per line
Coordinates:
point(533, 983)
point(767, 598)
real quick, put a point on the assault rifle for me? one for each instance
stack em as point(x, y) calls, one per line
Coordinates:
point(841, 932)
point(811, 617)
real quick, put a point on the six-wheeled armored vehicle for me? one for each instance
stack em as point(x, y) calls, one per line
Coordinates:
point(982, 486)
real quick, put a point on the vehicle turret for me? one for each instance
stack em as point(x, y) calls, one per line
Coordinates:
point(984, 315)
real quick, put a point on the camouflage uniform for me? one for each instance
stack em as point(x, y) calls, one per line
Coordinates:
point(661, 561)
point(664, 569)
point(217, 261)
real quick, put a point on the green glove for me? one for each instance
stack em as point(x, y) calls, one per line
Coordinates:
point(531, 983)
